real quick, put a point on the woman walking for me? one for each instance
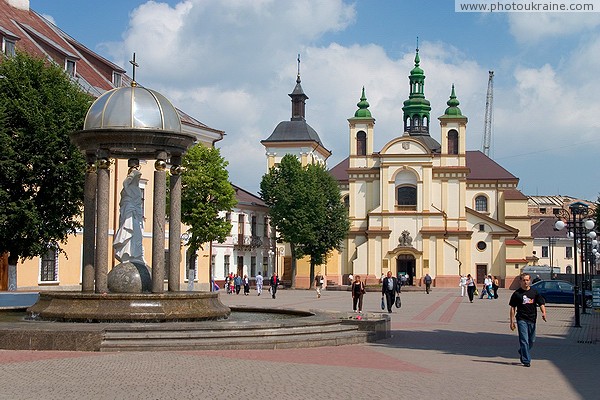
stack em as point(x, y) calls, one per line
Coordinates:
point(470, 287)
point(358, 290)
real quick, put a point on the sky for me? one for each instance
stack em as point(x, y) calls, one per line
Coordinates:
point(232, 63)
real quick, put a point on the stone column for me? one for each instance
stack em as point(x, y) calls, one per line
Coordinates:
point(103, 187)
point(89, 225)
point(175, 224)
point(158, 224)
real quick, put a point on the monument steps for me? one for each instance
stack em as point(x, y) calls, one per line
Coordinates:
point(271, 337)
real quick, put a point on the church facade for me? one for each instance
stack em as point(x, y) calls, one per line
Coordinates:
point(418, 206)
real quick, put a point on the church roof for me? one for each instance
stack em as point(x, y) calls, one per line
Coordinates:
point(484, 168)
point(339, 172)
point(293, 131)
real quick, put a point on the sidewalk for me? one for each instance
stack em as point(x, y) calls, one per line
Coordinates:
point(442, 346)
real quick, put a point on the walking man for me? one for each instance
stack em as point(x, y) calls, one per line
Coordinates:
point(523, 306)
point(389, 288)
point(259, 283)
point(427, 281)
point(274, 281)
point(319, 284)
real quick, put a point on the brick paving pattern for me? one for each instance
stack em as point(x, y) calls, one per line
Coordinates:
point(442, 346)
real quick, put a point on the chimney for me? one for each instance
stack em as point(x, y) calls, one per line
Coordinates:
point(20, 4)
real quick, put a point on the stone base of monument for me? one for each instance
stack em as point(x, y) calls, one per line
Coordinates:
point(130, 277)
point(128, 307)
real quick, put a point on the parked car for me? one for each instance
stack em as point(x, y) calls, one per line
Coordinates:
point(560, 292)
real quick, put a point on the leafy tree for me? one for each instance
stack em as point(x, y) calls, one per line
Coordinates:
point(329, 219)
point(304, 205)
point(205, 191)
point(41, 171)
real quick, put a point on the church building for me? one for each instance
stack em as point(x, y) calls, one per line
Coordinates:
point(418, 206)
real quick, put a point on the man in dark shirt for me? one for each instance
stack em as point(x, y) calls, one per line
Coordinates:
point(523, 306)
point(389, 288)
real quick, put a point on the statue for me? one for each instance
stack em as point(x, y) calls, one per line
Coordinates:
point(128, 240)
point(405, 239)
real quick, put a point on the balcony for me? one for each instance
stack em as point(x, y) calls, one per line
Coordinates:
point(244, 242)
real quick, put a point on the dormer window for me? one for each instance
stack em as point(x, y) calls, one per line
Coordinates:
point(70, 67)
point(117, 79)
point(8, 47)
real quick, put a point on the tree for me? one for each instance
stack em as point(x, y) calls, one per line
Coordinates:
point(329, 219)
point(305, 207)
point(205, 192)
point(41, 171)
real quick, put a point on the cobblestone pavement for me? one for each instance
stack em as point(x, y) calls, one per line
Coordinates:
point(442, 346)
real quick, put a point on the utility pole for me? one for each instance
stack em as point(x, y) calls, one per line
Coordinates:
point(489, 105)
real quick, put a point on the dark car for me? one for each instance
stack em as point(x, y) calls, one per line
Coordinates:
point(560, 292)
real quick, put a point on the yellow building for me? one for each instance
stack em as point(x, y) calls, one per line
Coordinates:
point(420, 207)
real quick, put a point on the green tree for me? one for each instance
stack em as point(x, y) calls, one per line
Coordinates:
point(41, 171)
point(305, 207)
point(329, 219)
point(205, 191)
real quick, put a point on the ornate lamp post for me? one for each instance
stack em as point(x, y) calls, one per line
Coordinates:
point(576, 220)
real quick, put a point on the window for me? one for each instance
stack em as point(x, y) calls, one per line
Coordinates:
point(361, 143)
point(407, 196)
point(568, 252)
point(253, 266)
point(228, 216)
point(481, 245)
point(452, 142)
point(213, 260)
point(545, 251)
point(481, 228)
point(117, 79)
point(253, 226)
point(226, 264)
point(8, 47)
point(542, 210)
point(481, 203)
point(406, 189)
point(70, 67)
point(265, 265)
point(190, 259)
point(49, 266)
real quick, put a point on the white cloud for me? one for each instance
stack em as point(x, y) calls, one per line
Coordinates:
point(533, 28)
point(231, 64)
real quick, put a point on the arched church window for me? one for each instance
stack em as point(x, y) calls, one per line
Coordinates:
point(452, 142)
point(346, 201)
point(406, 188)
point(407, 195)
point(361, 143)
point(416, 121)
point(481, 203)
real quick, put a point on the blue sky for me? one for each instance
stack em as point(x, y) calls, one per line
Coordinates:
point(231, 64)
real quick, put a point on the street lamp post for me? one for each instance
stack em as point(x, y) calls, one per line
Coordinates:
point(576, 222)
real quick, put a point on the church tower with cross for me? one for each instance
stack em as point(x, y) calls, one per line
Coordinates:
point(295, 136)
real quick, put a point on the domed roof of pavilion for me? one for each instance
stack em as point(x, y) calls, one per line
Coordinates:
point(133, 107)
point(133, 122)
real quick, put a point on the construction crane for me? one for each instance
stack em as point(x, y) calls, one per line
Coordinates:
point(489, 105)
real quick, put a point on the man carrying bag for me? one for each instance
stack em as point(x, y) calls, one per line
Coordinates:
point(389, 289)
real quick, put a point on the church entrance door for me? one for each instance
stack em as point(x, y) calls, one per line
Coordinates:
point(406, 264)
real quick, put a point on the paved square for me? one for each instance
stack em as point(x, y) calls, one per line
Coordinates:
point(442, 346)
